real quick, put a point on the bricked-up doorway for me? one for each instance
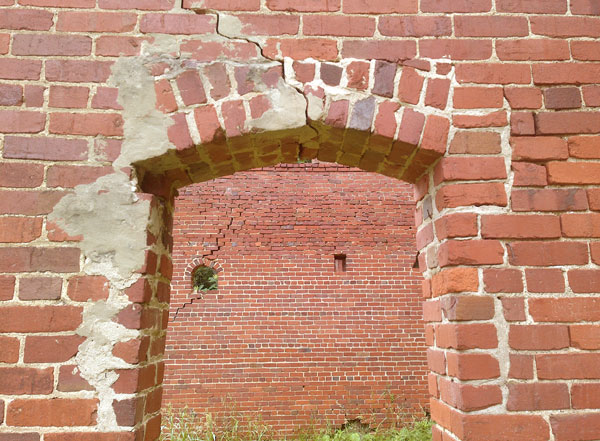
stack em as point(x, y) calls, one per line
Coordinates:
point(317, 318)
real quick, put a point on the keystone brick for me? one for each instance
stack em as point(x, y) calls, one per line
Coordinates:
point(57, 412)
point(384, 79)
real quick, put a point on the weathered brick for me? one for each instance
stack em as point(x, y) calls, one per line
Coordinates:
point(537, 253)
point(178, 24)
point(40, 288)
point(92, 21)
point(538, 49)
point(57, 412)
point(51, 45)
point(538, 337)
point(26, 19)
point(93, 124)
point(503, 280)
point(568, 199)
point(337, 25)
point(476, 143)
point(9, 349)
point(460, 195)
point(472, 252)
point(520, 227)
point(456, 49)
point(78, 71)
point(545, 280)
point(45, 148)
point(388, 50)
point(538, 396)
point(26, 381)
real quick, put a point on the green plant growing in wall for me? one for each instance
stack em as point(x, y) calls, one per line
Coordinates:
point(204, 278)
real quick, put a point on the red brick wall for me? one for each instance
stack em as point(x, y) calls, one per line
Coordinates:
point(285, 336)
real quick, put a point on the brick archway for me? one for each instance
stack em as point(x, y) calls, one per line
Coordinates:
point(507, 219)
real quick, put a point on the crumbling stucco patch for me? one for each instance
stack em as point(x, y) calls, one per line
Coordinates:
point(288, 110)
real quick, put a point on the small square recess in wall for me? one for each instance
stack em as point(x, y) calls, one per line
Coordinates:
point(339, 263)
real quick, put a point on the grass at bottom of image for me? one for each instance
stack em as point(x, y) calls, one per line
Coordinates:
point(186, 425)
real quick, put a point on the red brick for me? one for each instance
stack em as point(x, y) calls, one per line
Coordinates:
point(466, 336)
point(69, 176)
point(411, 84)
point(48, 44)
point(476, 143)
point(302, 5)
point(585, 7)
point(59, 3)
point(146, 5)
point(537, 396)
point(134, 380)
point(585, 50)
point(505, 428)
point(547, 253)
point(33, 95)
point(569, 199)
point(45, 148)
point(132, 351)
point(472, 366)
point(454, 280)
point(11, 95)
point(493, 119)
point(565, 27)
point(490, 26)
point(475, 169)
point(456, 49)
point(191, 89)
point(538, 337)
point(565, 310)
point(303, 48)
point(84, 288)
point(456, 225)
point(415, 26)
point(478, 97)
point(595, 252)
point(579, 173)
point(69, 96)
point(40, 288)
point(584, 281)
point(4, 43)
point(493, 73)
point(91, 436)
point(523, 97)
point(467, 397)
point(20, 69)
point(574, 365)
point(338, 25)
point(7, 287)
point(28, 202)
point(26, 381)
point(381, 7)
point(14, 121)
point(532, 6)
point(26, 19)
point(470, 252)
point(385, 122)
point(468, 307)
point(9, 349)
point(540, 148)
point(562, 98)
point(436, 361)
point(21, 175)
point(462, 195)
point(513, 309)
point(92, 21)
point(26, 319)
point(115, 46)
point(106, 98)
point(129, 412)
point(225, 5)
point(107, 124)
point(539, 49)
point(585, 337)
point(70, 380)
point(529, 175)
point(521, 366)
point(502, 280)
point(331, 74)
point(56, 412)
point(545, 280)
point(456, 5)
point(78, 71)
point(305, 73)
point(55, 349)
point(585, 395)
point(584, 147)
point(437, 93)
point(578, 426)
point(177, 24)
point(565, 73)
point(388, 50)
point(520, 227)
point(581, 225)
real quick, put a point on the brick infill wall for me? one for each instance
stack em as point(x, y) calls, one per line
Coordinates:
point(285, 335)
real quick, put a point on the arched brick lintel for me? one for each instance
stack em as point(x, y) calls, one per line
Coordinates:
point(379, 116)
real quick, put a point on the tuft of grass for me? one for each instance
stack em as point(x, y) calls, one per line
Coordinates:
point(186, 425)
